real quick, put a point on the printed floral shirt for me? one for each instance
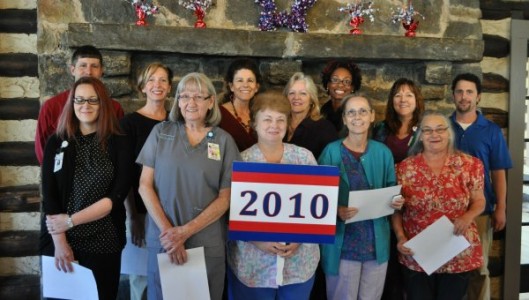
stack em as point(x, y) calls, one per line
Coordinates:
point(256, 268)
point(429, 196)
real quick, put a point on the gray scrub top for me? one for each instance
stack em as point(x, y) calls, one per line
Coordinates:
point(187, 180)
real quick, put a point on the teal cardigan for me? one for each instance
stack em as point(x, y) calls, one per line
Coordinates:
point(379, 168)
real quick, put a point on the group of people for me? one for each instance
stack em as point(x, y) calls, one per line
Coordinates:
point(166, 175)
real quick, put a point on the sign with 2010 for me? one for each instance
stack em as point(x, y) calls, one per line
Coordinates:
point(283, 203)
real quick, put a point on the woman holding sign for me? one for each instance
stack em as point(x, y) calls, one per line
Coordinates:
point(439, 181)
point(185, 183)
point(253, 266)
point(355, 265)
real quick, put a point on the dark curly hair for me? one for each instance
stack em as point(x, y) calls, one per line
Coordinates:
point(236, 65)
point(348, 65)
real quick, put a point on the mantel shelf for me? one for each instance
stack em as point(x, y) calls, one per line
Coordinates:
point(289, 45)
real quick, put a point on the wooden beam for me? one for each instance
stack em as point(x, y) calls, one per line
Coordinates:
point(18, 154)
point(494, 83)
point(24, 198)
point(19, 108)
point(19, 243)
point(497, 9)
point(496, 46)
point(19, 64)
point(18, 21)
point(20, 287)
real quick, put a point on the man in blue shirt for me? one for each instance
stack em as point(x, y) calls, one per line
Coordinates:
point(483, 139)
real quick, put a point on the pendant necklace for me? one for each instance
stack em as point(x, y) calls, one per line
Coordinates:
point(245, 126)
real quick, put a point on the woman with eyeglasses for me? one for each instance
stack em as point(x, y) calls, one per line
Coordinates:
point(437, 181)
point(355, 265)
point(241, 84)
point(85, 178)
point(398, 131)
point(154, 84)
point(185, 183)
point(339, 78)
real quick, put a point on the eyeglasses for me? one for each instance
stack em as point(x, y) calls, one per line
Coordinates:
point(430, 131)
point(353, 113)
point(346, 81)
point(81, 100)
point(198, 98)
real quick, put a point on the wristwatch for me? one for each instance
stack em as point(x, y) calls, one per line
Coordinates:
point(69, 222)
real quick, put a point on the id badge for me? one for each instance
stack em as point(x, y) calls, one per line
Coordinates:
point(213, 151)
point(58, 162)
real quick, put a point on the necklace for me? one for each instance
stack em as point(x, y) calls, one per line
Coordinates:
point(244, 125)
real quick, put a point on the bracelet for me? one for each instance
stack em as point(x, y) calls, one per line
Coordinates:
point(69, 222)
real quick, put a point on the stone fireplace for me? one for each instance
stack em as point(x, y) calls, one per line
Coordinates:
point(429, 61)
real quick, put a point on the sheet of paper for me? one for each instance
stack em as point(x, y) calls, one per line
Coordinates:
point(280, 266)
point(372, 204)
point(187, 281)
point(436, 245)
point(79, 284)
point(133, 259)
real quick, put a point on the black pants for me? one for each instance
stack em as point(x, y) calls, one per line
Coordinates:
point(438, 286)
point(106, 269)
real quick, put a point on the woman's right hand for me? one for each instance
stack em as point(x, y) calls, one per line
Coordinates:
point(403, 249)
point(345, 213)
point(63, 253)
point(273, 248)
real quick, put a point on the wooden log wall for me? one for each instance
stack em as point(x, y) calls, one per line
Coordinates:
point(496, 16)
point(19, 171)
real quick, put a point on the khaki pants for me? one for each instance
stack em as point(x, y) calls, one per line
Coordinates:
point(479, 284)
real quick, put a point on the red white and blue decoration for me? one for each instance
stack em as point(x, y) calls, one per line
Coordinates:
point(283, 203)
point(199, 8)
point(143, 8)
point(408, 17)
point(271, 19)
point(358, 12)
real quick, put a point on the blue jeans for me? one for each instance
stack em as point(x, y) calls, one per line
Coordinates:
point(239, 291)
point(438, 286)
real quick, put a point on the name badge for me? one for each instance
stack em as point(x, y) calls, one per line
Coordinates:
point(213, 151)
point(58, 162)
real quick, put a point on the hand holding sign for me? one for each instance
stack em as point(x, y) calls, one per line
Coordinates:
point(283, 203)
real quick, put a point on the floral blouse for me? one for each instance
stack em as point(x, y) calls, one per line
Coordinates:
point(429, 196)
point(256, 268)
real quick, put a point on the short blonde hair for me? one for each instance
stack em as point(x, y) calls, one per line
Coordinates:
point(314, 111)
point(273, 100)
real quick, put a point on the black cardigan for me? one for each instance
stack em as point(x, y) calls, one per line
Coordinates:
point(57, 186)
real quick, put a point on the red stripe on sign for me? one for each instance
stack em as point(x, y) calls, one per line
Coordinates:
point(285, 178)
point(282, 227)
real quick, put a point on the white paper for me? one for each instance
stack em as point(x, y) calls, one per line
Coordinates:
point(280, 266)
point(79, 284)
point(187, 281)
point(134, 259)
point(372, 204)
point(436, 245)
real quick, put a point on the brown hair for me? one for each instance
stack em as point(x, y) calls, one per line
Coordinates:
point(107, 122)
point(273, 100)
point(392, 118)
point(147, 73)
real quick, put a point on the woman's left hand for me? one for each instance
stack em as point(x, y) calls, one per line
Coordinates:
point(288, 250)
point(397, 203)
point(57, 224)
point(461, 224)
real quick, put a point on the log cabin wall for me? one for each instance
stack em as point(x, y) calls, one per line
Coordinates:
point(19, 173)
point(495, 22)
point(21, 87)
